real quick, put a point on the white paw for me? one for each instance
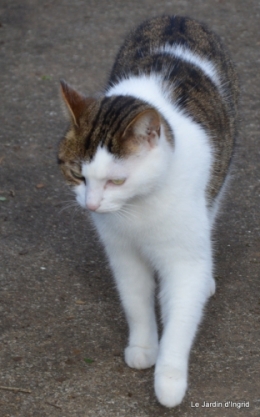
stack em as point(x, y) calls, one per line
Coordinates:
point(170, 386)
point(212, 287)
point(139, 357)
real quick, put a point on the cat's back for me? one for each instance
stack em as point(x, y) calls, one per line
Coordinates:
point(193, 70)
point(145, 50)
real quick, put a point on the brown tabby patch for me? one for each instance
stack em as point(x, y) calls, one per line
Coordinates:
point(104, 122)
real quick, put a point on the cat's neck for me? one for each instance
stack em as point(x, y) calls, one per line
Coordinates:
point(149, 88)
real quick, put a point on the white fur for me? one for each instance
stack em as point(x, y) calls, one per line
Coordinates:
point(189, 56)
point(157, 220)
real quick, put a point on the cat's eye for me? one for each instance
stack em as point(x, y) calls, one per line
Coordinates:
point(118, 181)
point(77, 175)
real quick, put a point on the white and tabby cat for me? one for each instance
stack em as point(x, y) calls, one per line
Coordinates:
point(149, 159)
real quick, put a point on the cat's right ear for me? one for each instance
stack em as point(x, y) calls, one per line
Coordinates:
point(75, 102)
point(144, 128)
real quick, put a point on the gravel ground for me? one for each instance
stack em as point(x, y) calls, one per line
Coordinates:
point(62, 328)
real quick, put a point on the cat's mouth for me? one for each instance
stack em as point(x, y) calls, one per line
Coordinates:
point(105, 210)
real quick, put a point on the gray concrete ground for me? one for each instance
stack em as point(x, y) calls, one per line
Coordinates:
point(62, 328)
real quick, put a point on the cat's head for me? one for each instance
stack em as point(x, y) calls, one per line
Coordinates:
point(115, 150)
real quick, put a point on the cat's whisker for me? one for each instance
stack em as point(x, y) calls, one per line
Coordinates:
point(71, 200)
point(70, 205)
point(121, 214)
point(128, 212)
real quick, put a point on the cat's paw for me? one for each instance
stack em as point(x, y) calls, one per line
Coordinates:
point(139, 357)
point(170, 386)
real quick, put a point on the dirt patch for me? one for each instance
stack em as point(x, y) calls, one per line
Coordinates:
point(62, 328)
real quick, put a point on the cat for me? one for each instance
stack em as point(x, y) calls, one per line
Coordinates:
point(149, 160)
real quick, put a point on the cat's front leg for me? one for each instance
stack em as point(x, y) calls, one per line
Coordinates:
point(184, 291)
point(135, 283)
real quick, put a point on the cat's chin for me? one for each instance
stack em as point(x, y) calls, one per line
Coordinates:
point(104, 211)
point(107, 210)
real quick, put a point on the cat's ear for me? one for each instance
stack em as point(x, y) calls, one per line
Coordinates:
point(144, 128)
point(75, 102)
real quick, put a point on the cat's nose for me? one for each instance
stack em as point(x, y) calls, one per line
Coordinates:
point(93, 206)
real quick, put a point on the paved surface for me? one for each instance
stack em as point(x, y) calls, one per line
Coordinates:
point(59, 308)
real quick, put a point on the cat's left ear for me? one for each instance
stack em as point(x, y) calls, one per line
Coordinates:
point(146, 126)
point(75, 102)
